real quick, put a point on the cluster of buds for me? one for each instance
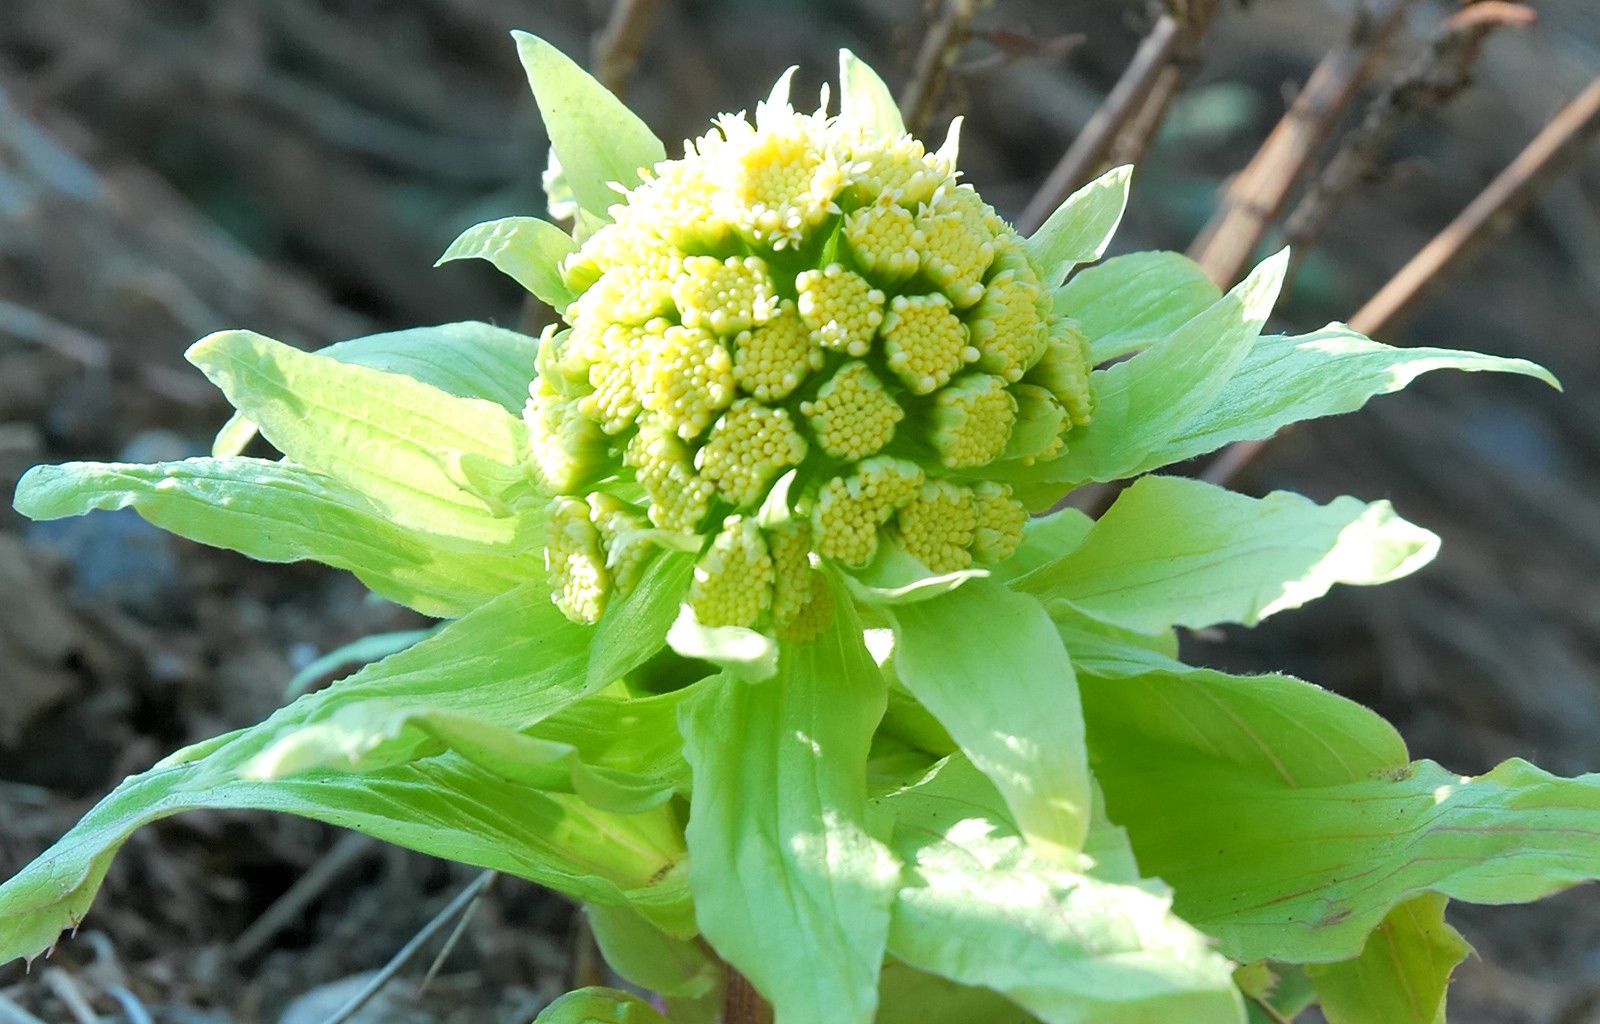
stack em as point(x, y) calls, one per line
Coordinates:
point(797, 300)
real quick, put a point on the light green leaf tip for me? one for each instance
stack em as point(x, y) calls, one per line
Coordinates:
point(748, 654)
point(1402, 973)
point(597, 139)
point(526, 249)
point(1081, 228)
point(864, 99)
point(597, 1005)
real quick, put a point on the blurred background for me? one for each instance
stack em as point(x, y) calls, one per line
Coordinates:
point(173, 167)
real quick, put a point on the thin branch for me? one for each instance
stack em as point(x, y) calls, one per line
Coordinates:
point(1135, 137)
point(352, 847)
point(1487, 216)
point(390, 969)
point(617, 46)
point(948, 33)
point(1490, 214)
point(1090, 147)
point(450, 943)
point(1438, 75)
point(1258, 192)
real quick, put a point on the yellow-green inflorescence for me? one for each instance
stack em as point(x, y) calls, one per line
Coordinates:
point(802, 341)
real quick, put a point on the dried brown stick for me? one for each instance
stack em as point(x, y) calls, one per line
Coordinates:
point(1441, 72)
point(1490, 214)
point(617, 46)
point(948, 33)
point(350, 849)
point(1094, 141)
point(1135, 137)
point(742, 1004)
point(1254, 198)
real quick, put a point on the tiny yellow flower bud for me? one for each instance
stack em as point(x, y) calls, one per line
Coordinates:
point(852, 415)
point(899, 168)
point(749, 446)
point(566, 447)
point(772, 360)
point(815, 615)
point(793, 576)
point(1000, 521)
point(1006, 326)
point(777, 184)
point(621, 529)
point(1041, 420)
point(690, 380)
point(619, 364)
point(960, 232)
point(924, 343)
point(724, 296)
point(1064, 370)
point(840, 307)
point(576, 564)
point(936, 526)
point(972, 420)
point(679, 499)
point(849, 509)
point(733, 580)
point(885, 240)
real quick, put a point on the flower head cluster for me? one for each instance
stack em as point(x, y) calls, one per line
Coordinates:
point(797, 299)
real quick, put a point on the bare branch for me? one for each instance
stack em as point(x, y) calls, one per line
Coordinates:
point(948, 33)
point(617, 46)
point(1258, 192)
point(1136, 135)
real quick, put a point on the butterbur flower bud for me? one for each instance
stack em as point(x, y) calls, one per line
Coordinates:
point(804, 299)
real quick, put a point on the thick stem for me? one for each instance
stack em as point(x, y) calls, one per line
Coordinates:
point(742, 1004)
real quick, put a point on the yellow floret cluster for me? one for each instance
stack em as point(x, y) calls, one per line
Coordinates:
point(802, 341)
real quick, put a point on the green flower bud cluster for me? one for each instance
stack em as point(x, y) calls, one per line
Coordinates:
point(796, 299)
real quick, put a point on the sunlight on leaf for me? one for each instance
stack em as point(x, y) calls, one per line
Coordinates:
point(1082, 226)
point(526, 249)
point(1402, 973)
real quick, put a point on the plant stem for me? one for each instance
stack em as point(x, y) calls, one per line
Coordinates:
point(742, 1004)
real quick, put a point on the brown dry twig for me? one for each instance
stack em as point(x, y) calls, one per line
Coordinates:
point(1490, 214)
point(1135, 136)
point(948, 33)
point(1438, 75)
point(1258, 192)
point(617, 46)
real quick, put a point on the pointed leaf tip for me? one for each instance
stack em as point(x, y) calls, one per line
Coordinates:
point(1081, 228)
point(864, 99)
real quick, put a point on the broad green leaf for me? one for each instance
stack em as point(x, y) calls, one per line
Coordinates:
point(1131, 302)
point(1175, 551)
point(597, 1005)
point(981, 908)
point(788, 885)
point(864, 100)
point(910, 996)
point(1332, 371)
point(1102, 649)
point(1144, 401)
point(747, 653)
point(650, 958)
point(467, 359)
point(989, 665)
point(1082, 226)
point(513, 662)
point(1402, 973)
point(370, 648)
point(633, 629)
point(614, 730)
point(386, 435)
point(526, 249)
point(282, 512)
point(597, 139)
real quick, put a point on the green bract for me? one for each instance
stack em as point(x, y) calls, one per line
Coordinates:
point(815, 699)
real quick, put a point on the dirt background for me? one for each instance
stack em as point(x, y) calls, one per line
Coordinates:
point(173, 167)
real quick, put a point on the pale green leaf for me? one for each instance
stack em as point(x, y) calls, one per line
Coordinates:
point(633, 629)
point(789, 886)
point(385, 435)
point(747, 653)
point(616, 730)
point(910, 996)
point(1131, 302)
point(648, 957)
point(1402, 973)
point(1045, 539)
point(1175, 551)
point(526, 249)
point(1141, 403)
point(1332, 371)
point(467, 359)
point(513, 662)
point(597, 139)
point(864, 101)
point(282, 512)
point(597, 1005)
point(370, 648)
point(981, 908)
point(988, 663)
point(1082, 226)
point(234, 437)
